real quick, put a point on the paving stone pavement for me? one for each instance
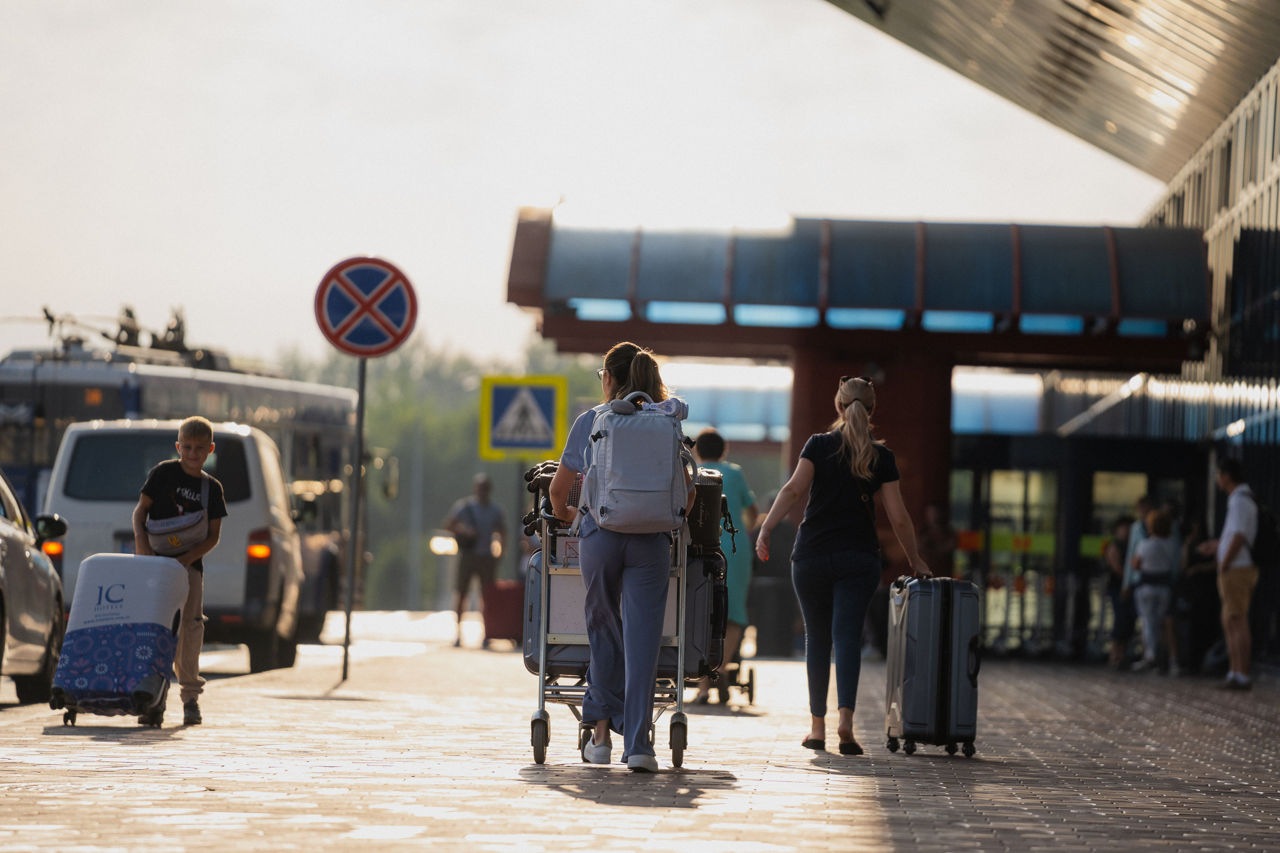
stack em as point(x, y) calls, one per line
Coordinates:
point(427, 746)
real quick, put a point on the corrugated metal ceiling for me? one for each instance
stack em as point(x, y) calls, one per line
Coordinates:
point(1145, 80)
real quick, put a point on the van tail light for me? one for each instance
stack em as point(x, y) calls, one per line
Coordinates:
point(53, 550)
point(259, 548)
point(257, 567)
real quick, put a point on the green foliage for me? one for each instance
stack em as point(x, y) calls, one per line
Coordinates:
point(423, 407)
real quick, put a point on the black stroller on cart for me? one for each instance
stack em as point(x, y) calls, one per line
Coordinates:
point(555, 635)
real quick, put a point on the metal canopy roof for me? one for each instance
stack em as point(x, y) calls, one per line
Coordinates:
point(1145, 80)
point(991, 293)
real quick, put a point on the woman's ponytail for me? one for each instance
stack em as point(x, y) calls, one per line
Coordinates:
point(634, 369)
point(856, 399)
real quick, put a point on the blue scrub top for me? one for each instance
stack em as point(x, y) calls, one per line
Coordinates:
point(574, 458)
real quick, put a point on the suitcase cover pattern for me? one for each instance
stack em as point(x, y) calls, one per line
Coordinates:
point(122, 630)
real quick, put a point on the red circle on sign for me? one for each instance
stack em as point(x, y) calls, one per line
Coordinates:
point(365, 307)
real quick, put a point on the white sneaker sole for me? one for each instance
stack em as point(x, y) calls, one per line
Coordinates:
point(642, 764)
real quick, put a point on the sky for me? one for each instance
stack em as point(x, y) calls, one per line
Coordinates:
point(222, 157)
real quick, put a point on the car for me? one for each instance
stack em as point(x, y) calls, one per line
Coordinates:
point(252, 579)
point(32, 614)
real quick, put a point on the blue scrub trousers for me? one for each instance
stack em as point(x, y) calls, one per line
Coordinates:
point(627, 576)
point(835, 591)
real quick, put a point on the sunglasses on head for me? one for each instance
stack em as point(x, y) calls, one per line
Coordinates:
point(600, 372)
point(866, 379)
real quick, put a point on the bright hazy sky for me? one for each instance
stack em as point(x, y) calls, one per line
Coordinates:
point(223, 156)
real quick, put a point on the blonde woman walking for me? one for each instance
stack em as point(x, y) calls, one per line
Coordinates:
point(835, 564)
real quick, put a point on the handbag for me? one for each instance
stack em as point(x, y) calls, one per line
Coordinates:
point(169, 537)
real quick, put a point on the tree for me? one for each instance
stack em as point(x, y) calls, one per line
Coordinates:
point(423, 403)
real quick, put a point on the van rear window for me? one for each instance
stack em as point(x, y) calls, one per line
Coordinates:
point(113, 467)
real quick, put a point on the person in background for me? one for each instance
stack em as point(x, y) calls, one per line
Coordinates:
point(1237, 572)
point(937, 541)
point(1155, 566)
point(835, 564)
point(709, 448)
point(1137, 532)
point(1123, 617)
point(476, 523)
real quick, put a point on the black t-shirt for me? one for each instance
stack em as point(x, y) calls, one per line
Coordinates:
point(836, 518)
point(175, 492)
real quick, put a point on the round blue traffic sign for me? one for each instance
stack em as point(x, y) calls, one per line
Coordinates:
point(365, 307)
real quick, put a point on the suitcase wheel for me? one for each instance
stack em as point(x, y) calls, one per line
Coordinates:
point(69, 718)
point(892, 744)
point(951, 748)
point(909, 747)
point(968, 749)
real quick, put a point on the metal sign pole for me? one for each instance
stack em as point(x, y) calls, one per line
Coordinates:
point(357, 481)
point(365, 307)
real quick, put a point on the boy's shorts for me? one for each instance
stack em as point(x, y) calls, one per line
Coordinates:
point(1235, 588)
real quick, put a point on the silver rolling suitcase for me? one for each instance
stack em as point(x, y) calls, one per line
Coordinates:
point(932, 664)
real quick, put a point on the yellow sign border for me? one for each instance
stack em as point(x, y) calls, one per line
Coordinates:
point(560, 384)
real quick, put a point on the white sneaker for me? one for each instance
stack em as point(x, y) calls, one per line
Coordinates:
point(642, 763)
point(597, 753)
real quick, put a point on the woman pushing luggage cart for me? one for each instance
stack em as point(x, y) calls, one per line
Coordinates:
point(636, 493)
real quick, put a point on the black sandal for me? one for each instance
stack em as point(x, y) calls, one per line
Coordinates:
point(814, 743)
point(850, 747)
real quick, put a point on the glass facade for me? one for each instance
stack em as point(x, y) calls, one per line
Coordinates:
point(1231, 190)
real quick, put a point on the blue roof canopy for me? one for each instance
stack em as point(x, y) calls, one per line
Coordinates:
point(1040, 279)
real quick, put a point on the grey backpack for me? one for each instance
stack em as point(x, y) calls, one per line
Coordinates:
point(636, 464)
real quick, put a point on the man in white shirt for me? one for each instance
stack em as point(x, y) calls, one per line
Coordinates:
point(1237, 573)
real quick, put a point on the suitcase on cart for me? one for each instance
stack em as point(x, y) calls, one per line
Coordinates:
point(502, 610)
point(117, 656)
point(706, 612)
point(932, 664)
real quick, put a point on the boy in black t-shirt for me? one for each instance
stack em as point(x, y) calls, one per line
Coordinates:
point(174, 488)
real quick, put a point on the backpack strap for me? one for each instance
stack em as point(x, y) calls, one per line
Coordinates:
point(204, 489)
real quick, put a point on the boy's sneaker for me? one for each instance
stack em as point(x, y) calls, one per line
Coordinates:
point(642, 763)
point(191, 713)
point(597, 753)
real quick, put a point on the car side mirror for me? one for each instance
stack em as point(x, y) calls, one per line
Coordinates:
point(49, 527)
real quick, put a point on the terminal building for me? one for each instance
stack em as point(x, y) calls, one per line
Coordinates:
point(1040, 377)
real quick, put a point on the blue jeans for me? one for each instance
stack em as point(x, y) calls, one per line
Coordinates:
point(627, 576)
point(1152, 600)
point(834, 592)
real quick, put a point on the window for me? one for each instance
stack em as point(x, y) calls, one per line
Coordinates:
point(1249, 168)
point(1226, 191)
point(113, 467)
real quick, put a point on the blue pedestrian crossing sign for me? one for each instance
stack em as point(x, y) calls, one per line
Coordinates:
point(523, 417)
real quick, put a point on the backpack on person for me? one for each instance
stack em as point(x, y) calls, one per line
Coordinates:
point(637, 466)
point(1265, 549)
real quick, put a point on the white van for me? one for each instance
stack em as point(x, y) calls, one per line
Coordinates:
point(251, 579)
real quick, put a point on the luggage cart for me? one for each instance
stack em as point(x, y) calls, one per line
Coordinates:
point(555, 639)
